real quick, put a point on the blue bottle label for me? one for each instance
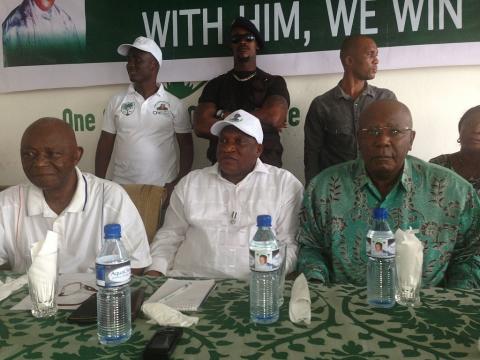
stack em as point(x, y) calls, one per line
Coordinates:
point(113, 275)
point(381, 248)
point(265, 260)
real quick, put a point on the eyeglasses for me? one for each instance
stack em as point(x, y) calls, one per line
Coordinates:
point(73, 288)
point(390, 131)
point(247, 37)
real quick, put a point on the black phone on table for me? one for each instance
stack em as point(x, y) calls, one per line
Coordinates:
point(163, 343)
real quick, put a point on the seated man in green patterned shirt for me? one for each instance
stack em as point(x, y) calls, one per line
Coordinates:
point(338, 207)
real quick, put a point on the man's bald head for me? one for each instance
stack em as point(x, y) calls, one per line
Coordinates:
point(49, 154)
point(387, 108)
point(54, 125)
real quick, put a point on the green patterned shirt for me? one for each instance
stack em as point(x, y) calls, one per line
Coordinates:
point(337, 213)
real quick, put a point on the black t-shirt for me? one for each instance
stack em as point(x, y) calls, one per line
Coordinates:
point(229, 94)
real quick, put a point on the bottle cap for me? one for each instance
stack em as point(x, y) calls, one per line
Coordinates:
point(264, 220)
point(380, 213)
point(112, 231)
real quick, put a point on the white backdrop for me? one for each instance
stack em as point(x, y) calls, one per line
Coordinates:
point(437, 98)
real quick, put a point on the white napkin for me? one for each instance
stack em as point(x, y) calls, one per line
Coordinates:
point(11, 285)
point(42, 274)
point(408, 258)
point(166, 316)
point(299, 308)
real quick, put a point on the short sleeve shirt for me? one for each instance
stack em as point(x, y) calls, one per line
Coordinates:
point(25, 218)
point(145, 136)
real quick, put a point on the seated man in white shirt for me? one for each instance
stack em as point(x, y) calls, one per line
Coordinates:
point(64, 200)
point(212, 213)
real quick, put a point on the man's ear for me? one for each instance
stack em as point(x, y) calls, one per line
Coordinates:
point(412, 137)
point(78, 154)
point(348, 60)
point(259, 149)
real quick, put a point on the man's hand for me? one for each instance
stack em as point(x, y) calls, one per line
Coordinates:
point(154, 273)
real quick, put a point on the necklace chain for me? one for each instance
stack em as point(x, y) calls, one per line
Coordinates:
point(244, 79)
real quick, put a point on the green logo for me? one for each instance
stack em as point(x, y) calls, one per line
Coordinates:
point(183, 89)
point(127, 108)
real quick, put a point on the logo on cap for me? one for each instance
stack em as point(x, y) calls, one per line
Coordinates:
point(236, 118)
point(127, 108)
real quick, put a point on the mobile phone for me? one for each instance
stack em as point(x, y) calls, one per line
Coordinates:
point(163, 342)
point(86, 313)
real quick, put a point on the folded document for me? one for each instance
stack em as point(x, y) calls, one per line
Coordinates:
point(182, 295)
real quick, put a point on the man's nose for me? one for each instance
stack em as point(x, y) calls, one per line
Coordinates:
point(40, 160)
point(228, 147)
point(383, 139)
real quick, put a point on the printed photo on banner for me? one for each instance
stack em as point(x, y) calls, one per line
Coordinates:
point(42, 32)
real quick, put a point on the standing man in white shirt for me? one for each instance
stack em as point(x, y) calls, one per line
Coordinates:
point(212, 213)
point(62, 199)
point(143, 123)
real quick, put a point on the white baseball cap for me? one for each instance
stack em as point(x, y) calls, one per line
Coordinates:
point(243, 121)
point(145, 44)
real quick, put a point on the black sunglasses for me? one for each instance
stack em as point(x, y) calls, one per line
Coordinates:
point(247, 37)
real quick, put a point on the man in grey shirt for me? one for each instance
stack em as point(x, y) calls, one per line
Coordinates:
point(332, 121)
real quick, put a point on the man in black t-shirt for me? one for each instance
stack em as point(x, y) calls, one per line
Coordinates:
point(245, 87)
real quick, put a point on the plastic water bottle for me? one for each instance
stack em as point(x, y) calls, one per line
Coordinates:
point(381, 275)
point(264, 277)
point(113, 298)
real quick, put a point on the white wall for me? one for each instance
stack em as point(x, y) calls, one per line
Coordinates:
point(437, 98)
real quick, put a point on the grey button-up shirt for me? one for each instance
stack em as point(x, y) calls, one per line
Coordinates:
point(331, 127)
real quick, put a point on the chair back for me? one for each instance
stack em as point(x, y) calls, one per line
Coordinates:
point(149, 201)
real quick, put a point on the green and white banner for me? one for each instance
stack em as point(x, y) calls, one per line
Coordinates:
point(72, 43)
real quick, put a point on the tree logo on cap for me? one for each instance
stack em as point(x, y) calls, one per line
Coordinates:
point(127, 108)
point(236, 118)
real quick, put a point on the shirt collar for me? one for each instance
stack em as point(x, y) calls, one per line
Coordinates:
point(361, 178)
point(36, 204)
point(339, 93)
point(260, 167)
point(160, 91)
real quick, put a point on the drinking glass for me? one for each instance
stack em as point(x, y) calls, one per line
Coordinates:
point(43, 290)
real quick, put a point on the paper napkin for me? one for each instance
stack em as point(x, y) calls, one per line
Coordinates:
point(166, 316)
point(300, 304)
point(42, 274)
point(408, 258)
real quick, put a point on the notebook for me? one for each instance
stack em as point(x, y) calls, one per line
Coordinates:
point(183, 295)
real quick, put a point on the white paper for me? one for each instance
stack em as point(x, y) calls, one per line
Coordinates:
point(188, 300)
point(75, 298)
point(299, 308)
point(11, 285)
point(408, 258)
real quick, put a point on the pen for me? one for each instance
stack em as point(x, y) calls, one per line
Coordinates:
point(175, 292)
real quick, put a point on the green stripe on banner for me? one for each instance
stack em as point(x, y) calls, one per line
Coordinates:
point(198, 29)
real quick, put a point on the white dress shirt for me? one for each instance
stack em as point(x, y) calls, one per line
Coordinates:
point(210, 221)
point(145, 136)
point(26, 217)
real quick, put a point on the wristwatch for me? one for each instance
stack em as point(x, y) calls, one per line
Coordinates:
point(220, 114)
